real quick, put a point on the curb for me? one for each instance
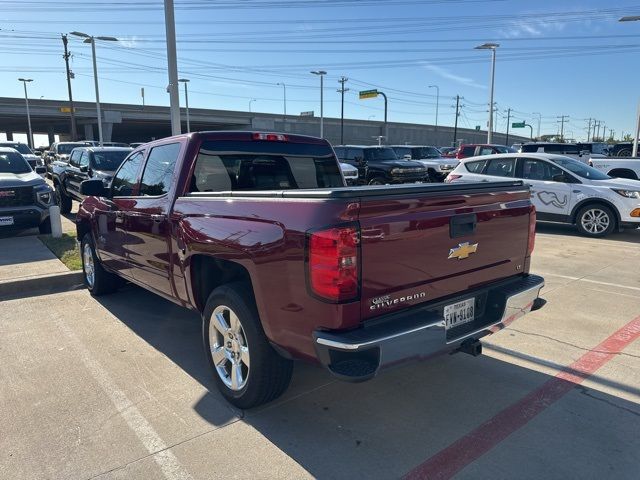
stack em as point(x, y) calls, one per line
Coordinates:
point(41, 284)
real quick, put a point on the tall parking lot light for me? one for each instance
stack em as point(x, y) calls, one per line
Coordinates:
point(437, 102)
point(492, 47)
point(92, 40)
point(186, 101)
point(284, 119)
point(634, 153)
point(26, 99)
point(321, 74)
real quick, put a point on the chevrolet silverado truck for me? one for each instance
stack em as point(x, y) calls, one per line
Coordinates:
point(259, 233)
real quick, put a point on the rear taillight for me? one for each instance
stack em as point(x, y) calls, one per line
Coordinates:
point(532, 230)
point(270, 137)
point(451, 178)
point(333, 263)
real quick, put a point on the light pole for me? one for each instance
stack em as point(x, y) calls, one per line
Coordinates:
point(172, 67)
point(252, 100)
point(26, 100)
point(634, 18)
point(539, 122)
point(284, 119)
point(492, 47)
point(321, 74)
point(437, 102)
point(186, 100)
point(92, 40)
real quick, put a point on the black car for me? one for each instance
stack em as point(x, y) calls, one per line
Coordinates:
point(58, 154)
point(25, 197)
point(85, 163)
point(380, 165)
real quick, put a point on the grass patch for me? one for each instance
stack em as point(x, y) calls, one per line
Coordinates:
point(65, 248)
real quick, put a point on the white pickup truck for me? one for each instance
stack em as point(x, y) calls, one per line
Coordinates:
point(617, 167)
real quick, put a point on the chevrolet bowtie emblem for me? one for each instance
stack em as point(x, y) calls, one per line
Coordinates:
point(463, 250)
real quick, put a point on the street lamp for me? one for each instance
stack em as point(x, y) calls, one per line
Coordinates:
point(634, 153)
point(321, 74)
point(186, 100)
point(437, 102)
point(26, 100)
point(252, 100)
point(284, 119)
point(492, 47)
point(92, 40)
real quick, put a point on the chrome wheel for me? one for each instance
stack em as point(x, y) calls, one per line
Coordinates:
point(89, 268)
point(595, 221)
point(229, 349)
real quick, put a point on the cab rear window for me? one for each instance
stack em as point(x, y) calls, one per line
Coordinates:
point(248, 166)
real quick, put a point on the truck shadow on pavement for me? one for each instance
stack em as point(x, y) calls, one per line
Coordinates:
point(385, 427)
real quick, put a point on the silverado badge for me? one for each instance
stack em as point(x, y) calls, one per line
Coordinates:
point(463, 250)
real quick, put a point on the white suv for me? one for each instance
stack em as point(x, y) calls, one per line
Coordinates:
point(562, 189)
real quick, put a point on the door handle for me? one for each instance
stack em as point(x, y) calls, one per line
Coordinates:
point(158, 217)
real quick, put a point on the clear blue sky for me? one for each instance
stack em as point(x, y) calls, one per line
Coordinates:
point(558, 58)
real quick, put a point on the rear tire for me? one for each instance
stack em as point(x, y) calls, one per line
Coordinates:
point(232, 334)
point(595, 220)
point(63, 200)
point(97, 279)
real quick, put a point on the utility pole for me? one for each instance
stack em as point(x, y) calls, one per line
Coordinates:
point(604, 131)
point(74, 132)
point(342, 81)
point(589, 131)
point(455, 128)
point(562, 120)
point(172, 67)
point(599, 122)
point(539, 122)
point(508, 125)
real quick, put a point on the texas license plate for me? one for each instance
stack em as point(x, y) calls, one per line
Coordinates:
point(6, 221)
point(459, 313)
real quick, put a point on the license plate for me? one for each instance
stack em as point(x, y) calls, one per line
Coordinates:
point(6, 221)
point(459, 313)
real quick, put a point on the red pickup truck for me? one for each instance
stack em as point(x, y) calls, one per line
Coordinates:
point(259, 233)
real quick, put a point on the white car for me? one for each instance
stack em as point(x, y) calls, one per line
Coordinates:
point(617, 167)
point(438, 166)
point(562, 189)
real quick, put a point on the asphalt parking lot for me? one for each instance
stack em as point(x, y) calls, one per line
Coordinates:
point(119, 388)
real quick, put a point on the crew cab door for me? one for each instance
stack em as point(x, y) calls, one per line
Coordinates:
point(548, 195)
point(78, 173)
point(70, 172)
point(112, 241)
point(148, 224)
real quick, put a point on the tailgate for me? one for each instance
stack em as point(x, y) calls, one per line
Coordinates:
point(407, 241)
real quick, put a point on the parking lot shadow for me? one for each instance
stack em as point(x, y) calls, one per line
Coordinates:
point(627, 235)
point(386, 427)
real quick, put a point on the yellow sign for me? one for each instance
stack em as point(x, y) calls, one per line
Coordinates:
point(463, 251)
point(66, 109)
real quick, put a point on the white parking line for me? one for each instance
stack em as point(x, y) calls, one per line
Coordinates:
point(582, 279)
point(166, 460)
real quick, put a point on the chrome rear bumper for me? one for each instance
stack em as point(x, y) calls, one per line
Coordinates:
point(358, 355)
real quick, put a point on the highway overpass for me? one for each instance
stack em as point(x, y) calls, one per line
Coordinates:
point(135, 123)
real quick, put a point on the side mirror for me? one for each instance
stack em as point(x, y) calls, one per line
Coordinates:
point(41, 170)
point(93, 188)
point(84, 168)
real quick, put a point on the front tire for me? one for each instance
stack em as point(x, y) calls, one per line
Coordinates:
point(97, 280)
point(595, 220)
point(246, 369)
point(63, 200)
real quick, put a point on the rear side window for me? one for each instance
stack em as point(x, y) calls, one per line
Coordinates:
point(126, 178)
point(158, 172)
point(502, 167)
point(486, 151)
point(475, 167)
point(249, 166)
